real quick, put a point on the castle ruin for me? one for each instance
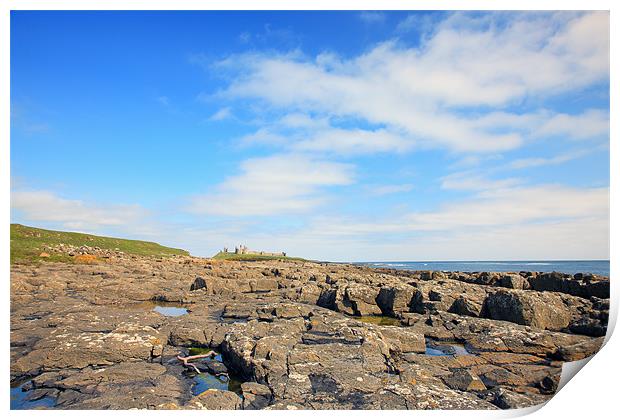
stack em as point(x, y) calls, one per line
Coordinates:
point(243, 250)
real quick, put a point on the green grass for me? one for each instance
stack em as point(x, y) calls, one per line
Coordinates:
point(252, 257)
point(379, 320)
point(28, 242)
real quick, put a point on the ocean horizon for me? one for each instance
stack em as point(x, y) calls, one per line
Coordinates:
point(600, 267)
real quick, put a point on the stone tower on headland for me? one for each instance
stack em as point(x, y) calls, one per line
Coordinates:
point(243, 250)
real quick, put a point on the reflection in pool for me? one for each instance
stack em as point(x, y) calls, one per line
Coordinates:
point(379, 320)
point(205, 380)
point(170, 310)
point(27, 400)
point(442, 348)
point(161, 307)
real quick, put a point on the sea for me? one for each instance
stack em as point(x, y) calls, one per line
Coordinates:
point(571, 267)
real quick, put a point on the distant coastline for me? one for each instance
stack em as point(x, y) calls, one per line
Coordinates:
point(600, 267)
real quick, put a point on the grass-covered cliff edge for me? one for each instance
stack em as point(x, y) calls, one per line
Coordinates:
point(29, 243)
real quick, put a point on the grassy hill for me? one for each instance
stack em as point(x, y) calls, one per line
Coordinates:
point(28, 242)
point(252, 257)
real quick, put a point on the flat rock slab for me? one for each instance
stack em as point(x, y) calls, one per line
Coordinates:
point(295, 334)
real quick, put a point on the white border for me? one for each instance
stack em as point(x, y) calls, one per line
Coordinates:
point(593, 395)
point(308, 5)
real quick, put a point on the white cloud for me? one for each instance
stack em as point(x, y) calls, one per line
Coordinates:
point(372, 17)
point(475, 182)
point(545, 222)
point(354, 141)
point(591, 124)
point(46, 206)
point(424, 91)
point(24, 118)
point(547, 161)
point(456, 90)
point(488, 211)
point(273, 185)
point(379, 190)
point(300, 120)
point(468, 161)
point(513, 206)
point(576, 240)
point(301, 133)
point(319, 135)
point(221, 114)
point(565, 240)
point(265, 136)
point(415, 22)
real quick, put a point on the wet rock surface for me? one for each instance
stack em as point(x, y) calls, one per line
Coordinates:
point(294, 335)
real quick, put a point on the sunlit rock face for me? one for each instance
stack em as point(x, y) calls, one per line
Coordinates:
point(293, 335)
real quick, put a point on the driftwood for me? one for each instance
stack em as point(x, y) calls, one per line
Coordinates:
point(186, 359)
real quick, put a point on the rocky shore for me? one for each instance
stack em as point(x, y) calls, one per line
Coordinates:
point(106, 333)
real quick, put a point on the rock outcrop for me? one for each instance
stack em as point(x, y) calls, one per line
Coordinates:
point(541, 310)
point(295, 334)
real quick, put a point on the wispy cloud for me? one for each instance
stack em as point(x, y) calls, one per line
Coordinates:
point(426, 92)
point(422, 23)
point(542, 222)
point(273, 36)
point(379, 190)
point(590, 124)
point(468, 180)
point(372, 17)
point(299, 132)
point(513, 206)
point(489, 209)
point(547, 161)
point(273, 185)
point(221, 114)
point(46, 206)
point(35, 128)
point(24, 119)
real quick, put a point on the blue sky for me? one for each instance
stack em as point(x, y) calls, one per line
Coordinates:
point(333, 135)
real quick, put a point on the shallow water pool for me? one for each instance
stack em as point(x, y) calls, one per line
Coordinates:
point(206, 381)
point(161, 307)
point(21, 400)
point(170, 310)
point(445, 349)
point(379, 320)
